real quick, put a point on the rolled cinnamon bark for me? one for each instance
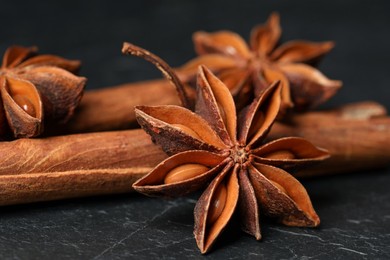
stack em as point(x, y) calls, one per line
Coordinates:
point(356, 135)
point(112, 108)
point(74, 166)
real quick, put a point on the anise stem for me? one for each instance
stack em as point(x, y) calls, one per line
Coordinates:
point(166, 70)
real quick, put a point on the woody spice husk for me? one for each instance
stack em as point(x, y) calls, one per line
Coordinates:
point(74, 166)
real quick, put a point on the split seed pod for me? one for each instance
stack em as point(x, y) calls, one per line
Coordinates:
point(35, 88)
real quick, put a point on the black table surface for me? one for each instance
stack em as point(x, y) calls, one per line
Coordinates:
point(354, 208)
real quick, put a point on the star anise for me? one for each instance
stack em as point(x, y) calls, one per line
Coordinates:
point(34, 87)
point(214, 148)
point(247, 71)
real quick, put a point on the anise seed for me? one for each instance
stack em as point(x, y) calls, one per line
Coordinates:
point(26, 104)
point(187, 130)
point(222, 113)
point(279, 186)
point(218, 204)
point(257, 122)
point(282, 154)
point(184, 172)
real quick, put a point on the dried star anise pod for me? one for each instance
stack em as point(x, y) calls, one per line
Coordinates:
point(248, 70)
point(34, 87)
point(215, 148)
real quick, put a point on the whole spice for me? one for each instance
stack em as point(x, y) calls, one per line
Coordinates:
point(34, 87)
point(215, 146)
point(74, 166)
point(248, 70)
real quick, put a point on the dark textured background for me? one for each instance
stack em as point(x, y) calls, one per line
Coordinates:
point(354, 209)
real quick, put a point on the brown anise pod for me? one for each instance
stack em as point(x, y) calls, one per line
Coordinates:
point(214, 148)
point(34, 87)
point(248, 70)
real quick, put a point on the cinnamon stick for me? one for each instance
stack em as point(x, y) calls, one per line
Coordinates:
point(112, 108)
point(74, 166)
point(351, 133)
point(110, 162)
point(356, 135)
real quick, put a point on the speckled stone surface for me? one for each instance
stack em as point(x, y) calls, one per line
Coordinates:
point(354, 208)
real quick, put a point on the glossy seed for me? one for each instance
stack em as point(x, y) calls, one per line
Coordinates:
point(279, 187)
point(257, 122)
point(26, 104)
point(218, 204)
point(222, 113)
point(282, 154)
point(184, 172)
point(187, 130)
